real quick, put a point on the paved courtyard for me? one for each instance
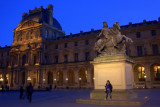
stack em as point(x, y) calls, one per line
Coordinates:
point(66, 98)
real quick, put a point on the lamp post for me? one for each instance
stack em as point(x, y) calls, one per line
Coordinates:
point(79, 82)
point(145, 82)
point(67, 83)
point(29, 79)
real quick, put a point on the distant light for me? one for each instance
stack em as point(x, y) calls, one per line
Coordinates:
point(94, 78)
point(44, 79)
point(80, 79)
point(66, 79)
point(145, 76)
point(1, 79)
point(29, 78)
point(55, 79)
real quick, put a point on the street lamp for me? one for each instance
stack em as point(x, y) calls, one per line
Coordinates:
point(29, 79)
point(1, 79)
point(145, 81)
point(67, 83)
point(80, 82)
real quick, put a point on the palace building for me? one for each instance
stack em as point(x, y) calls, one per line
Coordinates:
point(42, 54)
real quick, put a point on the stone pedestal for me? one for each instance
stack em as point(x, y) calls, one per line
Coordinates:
point(117, 69)
point(116, 95)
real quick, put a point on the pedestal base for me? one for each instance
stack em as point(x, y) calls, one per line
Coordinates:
point(117, 69)
point(116, 95)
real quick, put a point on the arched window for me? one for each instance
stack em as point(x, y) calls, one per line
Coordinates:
point(82, 76)
point(157, 72)
point(50, 77)
point(141, 73)
point(71, 77)
point(59, 78)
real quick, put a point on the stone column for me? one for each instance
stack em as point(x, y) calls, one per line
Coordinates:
point(148, 76)
point(40, 77)
point(65, 77)
point(88, 78)
point(76, 78)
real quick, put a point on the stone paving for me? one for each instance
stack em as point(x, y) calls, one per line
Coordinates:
point(67, 98)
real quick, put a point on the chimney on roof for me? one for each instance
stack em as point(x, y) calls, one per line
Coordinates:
point(130, 23)
point(81, 32)
point(144, 21)
point(50, 14)
point(159, 19)
point(92, 30)
point(24, 15)
point(41, 7)
point(70, 33)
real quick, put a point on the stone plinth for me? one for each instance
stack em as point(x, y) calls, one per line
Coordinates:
point(117, 69)
point(116, 95)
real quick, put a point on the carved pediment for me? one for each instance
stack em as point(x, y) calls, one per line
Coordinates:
point(27, 24)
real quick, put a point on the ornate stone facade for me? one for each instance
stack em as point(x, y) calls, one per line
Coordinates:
point(41, 53)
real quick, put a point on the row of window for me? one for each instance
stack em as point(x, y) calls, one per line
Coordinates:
point(27, 36)
point(154, 49)
point(76, 57)
point(153, 33)
point(75, 44)
point(142, 75)
point(54, 34)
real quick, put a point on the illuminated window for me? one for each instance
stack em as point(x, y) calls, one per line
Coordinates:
point(157, 73)
point(141, 73)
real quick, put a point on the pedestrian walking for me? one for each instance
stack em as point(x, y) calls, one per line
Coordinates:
point(108, 90)
point(21, 92)
point(30, 92)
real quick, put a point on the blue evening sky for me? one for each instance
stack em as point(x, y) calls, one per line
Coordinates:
point(78, 15)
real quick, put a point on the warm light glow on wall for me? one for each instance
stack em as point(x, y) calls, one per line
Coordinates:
point(29, 78)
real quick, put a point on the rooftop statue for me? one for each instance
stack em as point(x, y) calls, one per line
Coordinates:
point(111, 41)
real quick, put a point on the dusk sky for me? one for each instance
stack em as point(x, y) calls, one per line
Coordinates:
point(78, 15)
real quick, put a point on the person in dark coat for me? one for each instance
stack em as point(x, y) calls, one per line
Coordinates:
point(108, 91)
point(21, 92)
point(30, 92)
